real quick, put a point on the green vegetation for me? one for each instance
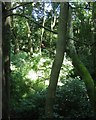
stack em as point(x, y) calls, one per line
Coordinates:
point(28, 91)
point(52, 56)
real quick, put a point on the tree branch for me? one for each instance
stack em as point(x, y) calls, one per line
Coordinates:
point(21, 15)
point(23, 4)
point(76, 40)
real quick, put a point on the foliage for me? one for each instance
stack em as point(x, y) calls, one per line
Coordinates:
point(26, 74)
point(71, 102)
point(31, 71)
point(31, 74)
point(67, 69)
point(28, 91)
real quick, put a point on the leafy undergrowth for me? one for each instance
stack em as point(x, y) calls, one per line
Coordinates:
point(71, 102)
point(28, 89)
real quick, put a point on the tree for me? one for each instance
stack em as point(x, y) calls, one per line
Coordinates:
point(82, 70)
point(1, 61)
point(60, 49)
point(94, 38)
point(94, 46)
point(6, 60)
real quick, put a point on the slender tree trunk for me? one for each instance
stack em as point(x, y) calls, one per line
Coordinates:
point(94, 39)
point(6, 62)
point(14, 38)
point(94, 48)
point(79, 65)
point(30, 44)
point(42, 30)
point(53, 23)
point(61, 46)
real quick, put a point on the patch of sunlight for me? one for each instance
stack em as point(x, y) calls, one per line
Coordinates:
point(32, 75)
point(67, 61)
point(36, 55)
point(64, 74)
point(40, 73)
point(12, 67)
point(59, 83)
point(23, 60)
point(47, 82)
point(42, 61)
point(24, 95)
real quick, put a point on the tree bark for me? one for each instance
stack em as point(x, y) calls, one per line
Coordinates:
point(94, 49)
point(94, 35)
point(6, 61)
point(60, 49)
point(0, 60)
point(84, 73)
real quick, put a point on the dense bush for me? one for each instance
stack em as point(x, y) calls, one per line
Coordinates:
point(71, 102)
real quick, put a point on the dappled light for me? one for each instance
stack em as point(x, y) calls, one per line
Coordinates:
point(49, 61)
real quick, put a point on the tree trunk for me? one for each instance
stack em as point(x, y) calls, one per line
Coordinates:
point(6, 61)
point(61, 46)
point(0, 61)
point(94, 47)
point(30, 44)
point(42, 30)
point(94, 35)
point(79, 65)
point(53, 23)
